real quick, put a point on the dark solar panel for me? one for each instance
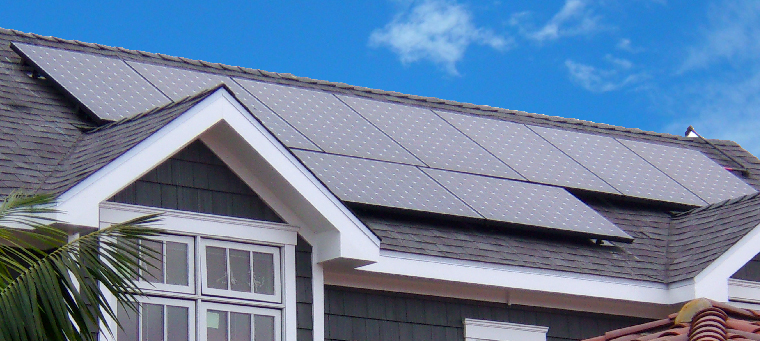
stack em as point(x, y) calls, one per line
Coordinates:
point(694, 170)
point(330, 123)
point(383, 183)
point(180, 83)
point(618, 166)
point(528, 204)
point(526, 152)
point(107, 87)
point(433, 140)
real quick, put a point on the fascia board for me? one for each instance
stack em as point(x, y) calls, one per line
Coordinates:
point(712, 282)
point(348, 238)
point(510, 277)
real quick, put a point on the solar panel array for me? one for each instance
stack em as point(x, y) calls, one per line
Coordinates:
point(396, 155)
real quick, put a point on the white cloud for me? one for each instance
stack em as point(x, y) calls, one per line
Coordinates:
point(575, 18)
point(436, 30)
point(722, 73)
point(624, 44)
point(726, 109)
point(732, 35)
point(595, 79)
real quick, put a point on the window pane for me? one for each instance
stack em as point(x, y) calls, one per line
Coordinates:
point(153, 322)
point(177, 325)
point(263, 328)
point(216, 267)
point(263, 273)
point(240, 326)
point(128, 320)
point(240, 270)
point(132, 247)
point(216, 325)
point(176, 263)
point(153, 261)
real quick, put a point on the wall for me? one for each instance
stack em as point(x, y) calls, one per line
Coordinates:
point(357, 314)
point(750, 271)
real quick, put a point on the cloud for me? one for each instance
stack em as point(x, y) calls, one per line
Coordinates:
point(575, 18)
point(727, 109)
point(439, 31)
point(624, 44)
point(717, 85)
point(732, 35)
point(599, 80)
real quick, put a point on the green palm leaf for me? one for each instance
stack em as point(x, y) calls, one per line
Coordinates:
point(63, 294)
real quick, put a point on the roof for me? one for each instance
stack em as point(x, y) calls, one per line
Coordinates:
point(44, 148)
point(698, 320)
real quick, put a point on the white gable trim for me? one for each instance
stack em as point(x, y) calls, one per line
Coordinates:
point(713, 281)
point(537, 280)
point(220, 117)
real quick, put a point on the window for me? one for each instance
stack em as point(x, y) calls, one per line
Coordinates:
point(240, 270)
point(236, 292)
point(481, 330)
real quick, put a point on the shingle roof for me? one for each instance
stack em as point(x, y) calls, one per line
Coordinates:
point(698, 320)
point(41, 149)
point(95, 149)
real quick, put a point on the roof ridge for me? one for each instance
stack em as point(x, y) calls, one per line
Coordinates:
point(338, 85)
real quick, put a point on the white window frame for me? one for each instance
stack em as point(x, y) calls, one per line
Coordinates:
point(191, 316)
point(200, 226)
point(149, 287)
point(205, 306)
point(275, 252)
point(482, 330)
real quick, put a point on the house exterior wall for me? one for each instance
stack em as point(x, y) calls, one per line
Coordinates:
point(357, 314)
point(196, 180)
point(750, 271)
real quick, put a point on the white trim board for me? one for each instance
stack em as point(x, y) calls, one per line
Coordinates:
point(482, 330)
point(255, 155)
point(511, 277)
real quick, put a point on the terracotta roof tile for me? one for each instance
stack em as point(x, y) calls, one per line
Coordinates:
point(711, 321)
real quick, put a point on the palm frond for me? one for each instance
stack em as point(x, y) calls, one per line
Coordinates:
point(63, 295)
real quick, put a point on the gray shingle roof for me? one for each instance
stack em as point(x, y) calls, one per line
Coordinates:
point(41, 149)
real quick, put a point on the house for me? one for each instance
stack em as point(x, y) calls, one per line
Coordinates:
point(297, 209)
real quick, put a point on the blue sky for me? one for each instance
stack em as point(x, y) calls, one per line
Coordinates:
point(657, 65)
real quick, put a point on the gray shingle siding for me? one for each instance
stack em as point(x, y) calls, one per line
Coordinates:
point(352, 314)
point(304, 292)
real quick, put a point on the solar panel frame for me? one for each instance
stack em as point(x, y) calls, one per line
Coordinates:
point(692, 169)
point(619, 166)
point(383, 183)
point(526, 152)
point(180, 83)
point(329, 123)
point(528, 204)
point(429, 137)
point(106, 87)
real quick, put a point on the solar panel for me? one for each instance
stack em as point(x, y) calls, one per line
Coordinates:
point(383, 183)
point(328, 122)
point(105, 86)
point(693, 170)
point(528, 204)
point(433, 140)
point(526, 152)
point(618, 166)
point(180, 83)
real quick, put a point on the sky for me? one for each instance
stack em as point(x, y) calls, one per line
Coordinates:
point(657, 65)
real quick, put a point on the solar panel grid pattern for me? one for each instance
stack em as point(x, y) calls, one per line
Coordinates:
point(328, 122)
point(106, 86)
point(693, 170)
point(526, 152)
point(430, 138)
point(618, 166)
point(383, 183)
point(526, 203)
point(180, 83)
